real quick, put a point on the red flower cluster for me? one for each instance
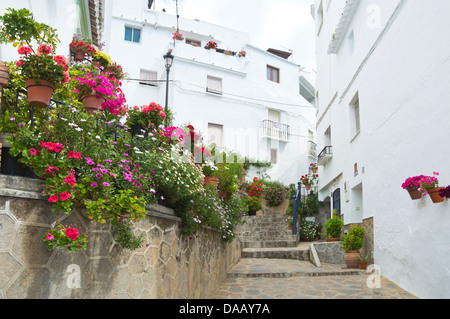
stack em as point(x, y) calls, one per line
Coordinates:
point(255, 188)
point(44, 49)
point(154, 107)
point(76, 155)
point(72, 233)
point(55, 147)
point(82, 46)
point(24, 50)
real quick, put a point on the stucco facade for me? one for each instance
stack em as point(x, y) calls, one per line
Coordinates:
point(388, 61)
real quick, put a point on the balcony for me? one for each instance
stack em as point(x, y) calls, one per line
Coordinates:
point(276, 131)
point(312, 149)
point(325, 155)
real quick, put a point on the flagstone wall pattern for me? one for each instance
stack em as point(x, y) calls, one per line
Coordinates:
point(168, 266)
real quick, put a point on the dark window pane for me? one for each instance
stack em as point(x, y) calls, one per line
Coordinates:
point(136, 35)
point(128, 33)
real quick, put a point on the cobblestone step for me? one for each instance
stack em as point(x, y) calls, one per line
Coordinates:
point(277, 253)
point(269, 243)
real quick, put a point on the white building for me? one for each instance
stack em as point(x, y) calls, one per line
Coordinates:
point(251, 105)
point(382, 116)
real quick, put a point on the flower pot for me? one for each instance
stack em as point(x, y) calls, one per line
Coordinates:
point(363, 265)
point(210, 180)
point(308, 186)
point(314, 169)
point(290, 227)
point(39, 92)
point(351, 259)
point(434, 195)
point(79, 56)
point(414, 193)
point(333, 239)
point(4, 75)
point(92, 104)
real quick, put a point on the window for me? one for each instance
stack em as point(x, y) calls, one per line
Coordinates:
point(214, 85)
point(149, 78)
point(273, 155)
point(351, 43)
point(132, 34)
point(194, 43)
point(215, 132)
point(319, 18)
point(273, 74)
point(355, 124)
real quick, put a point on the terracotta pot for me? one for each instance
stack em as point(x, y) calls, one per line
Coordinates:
point(39, 93)
point(434, 195)
point(351, 259)
point(308, 186)
point(4, 75)
point(290, 227)
point(414, 193)
point(314, 169)
point(92, 104)
point(332, 239)
point(79, 56)
point(363, 265)
point(211, 180)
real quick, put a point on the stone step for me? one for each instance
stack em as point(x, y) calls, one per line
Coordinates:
point(21, 183)
point(295, 253)
point(247, 243)
point(285, 268)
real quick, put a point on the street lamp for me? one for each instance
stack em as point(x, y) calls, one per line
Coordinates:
point(168, 59)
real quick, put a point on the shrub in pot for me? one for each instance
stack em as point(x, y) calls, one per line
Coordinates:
point(333, 228)
point(352, 243)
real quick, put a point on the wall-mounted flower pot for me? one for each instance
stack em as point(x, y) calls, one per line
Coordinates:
point(314, 169)
point(308, 186)
point(92, 104)
point(210, 180)
point(414, 193)
point(434, 195)
point(79, 56)
point(39, 92)
point(4, 75)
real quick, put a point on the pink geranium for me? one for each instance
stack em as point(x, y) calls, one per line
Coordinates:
point(44, 49)
point(24, 50)
point(72, 233)
point(65, 195)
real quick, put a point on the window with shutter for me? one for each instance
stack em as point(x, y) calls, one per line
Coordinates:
point(149, 78)
point(214, 85)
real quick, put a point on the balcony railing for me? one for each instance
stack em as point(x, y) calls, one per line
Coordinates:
point(276, 130)
point(325, 155)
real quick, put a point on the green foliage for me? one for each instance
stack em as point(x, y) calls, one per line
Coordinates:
point(333, 227)
point(354, 239)
point(253, 203)
point(126, 238)
point(310, 207)
point(20, 28)
point(275, 194)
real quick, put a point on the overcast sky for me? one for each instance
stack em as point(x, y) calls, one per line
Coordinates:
point(279, 24)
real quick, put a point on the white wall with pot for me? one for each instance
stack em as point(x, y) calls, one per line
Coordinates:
point(399, 69)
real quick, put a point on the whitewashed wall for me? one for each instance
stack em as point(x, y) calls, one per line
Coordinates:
point(401, 74)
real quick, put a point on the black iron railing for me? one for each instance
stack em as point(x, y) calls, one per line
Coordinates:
point(276, 130)
point(328, 150)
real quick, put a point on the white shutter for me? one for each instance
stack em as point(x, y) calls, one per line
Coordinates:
point(214, 85)
point(149, 77)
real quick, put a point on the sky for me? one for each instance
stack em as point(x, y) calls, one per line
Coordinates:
point(282, 24)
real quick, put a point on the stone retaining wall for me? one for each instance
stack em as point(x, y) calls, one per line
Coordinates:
point(171, 266)
point(330, 252)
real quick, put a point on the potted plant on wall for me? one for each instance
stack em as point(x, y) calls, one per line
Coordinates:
point(412, 184)
point(352, 243)
point(80, 48)
point(313, 167)
point(333, 229)
point(430, 185)
point(308, 180)
point(43, 71)
point(211, 45)
point(445, 192)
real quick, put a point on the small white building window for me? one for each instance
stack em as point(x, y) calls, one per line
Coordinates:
point(355, 124)
point(215, 133)
point(132, 34)
point(214, 85)
point(273, 155)
point(149, 78)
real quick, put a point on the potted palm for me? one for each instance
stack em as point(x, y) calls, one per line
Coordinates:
point(43, 71)
point(352, 243)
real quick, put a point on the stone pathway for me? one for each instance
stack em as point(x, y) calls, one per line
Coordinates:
point(261, 278)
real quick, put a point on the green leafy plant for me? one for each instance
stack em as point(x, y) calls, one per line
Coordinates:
point(126, 238)
point(333, 227)
point(354, 239)
point(363, 257)
point(253, 203)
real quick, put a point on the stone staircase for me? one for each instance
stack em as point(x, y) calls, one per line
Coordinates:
point(266, 235)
